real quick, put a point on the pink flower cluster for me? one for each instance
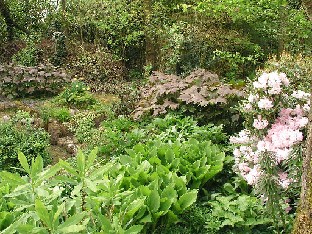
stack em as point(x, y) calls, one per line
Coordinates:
point(260, 123)
point(284, 134)
point(278, 136)
point(272, 82)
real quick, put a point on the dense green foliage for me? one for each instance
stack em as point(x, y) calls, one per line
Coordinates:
point(18, 135)
point(122, 196)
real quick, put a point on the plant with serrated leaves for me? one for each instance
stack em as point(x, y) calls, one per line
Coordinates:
point(239, 213)
point(201, 94)
point(21, 81)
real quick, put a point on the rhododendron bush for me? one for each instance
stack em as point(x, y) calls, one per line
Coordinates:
point(276, 117)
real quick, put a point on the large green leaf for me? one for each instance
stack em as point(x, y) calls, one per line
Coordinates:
point(56, 215)
point(153, 201)
point(13, 227)
point(36, 166)
point(91, 158)
point(43, 213)
point(134, 229)
point(72, 229)
point(48, 173)
point(6, 219)
point(23, 161)
point(72, 220)
point(134, 207)
point(187, 199)
point(12, 179)
point(81, 162)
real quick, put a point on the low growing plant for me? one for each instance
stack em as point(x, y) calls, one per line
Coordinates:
point(127, 195)
point(201, 94)
point(236, 214)
point(76, 95)
point(18, 134)
point(19, 81)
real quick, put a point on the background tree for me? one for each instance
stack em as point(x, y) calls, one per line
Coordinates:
point(10, 23)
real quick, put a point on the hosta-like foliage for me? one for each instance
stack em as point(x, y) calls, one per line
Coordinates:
point(201, 88)
point(128, 195)
point(20, 81)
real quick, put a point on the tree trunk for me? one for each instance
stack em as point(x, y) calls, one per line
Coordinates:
point(307, 5)
point(303, 223)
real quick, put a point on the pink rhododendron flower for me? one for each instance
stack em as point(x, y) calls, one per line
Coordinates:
point(243, 137)
point(258, 85)
point(282, 155)
point(263, 79)
point(244, 168)
point(306, 107)
point(261, 146)
point(274, 80)
point(259, 123)
point(284, 78)
point(252, 98)
point(283, 125)
point(284, 180)
point(248, 106)
point(303, 122)
point(300, 94)
point(275, 90)
point(265, 103)
point(253, 176)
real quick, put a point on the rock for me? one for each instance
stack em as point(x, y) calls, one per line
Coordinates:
point(6, 118)
point(56, 131)
point(68, 144)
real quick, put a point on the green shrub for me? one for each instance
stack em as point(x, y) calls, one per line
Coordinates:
point(62, 114)
point(236, 214)
point(76, 95)
point(116, 135)
point(96, 66)
point(19, 134)
point(28, 56)
point(177, 128)
point(83, 127)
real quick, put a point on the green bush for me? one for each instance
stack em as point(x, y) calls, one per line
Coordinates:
point(236, 214)
point(47, 112)
point(177, 128)
point(76, 95)
point(19, 134)
point(27, 56)
point(116, 135)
